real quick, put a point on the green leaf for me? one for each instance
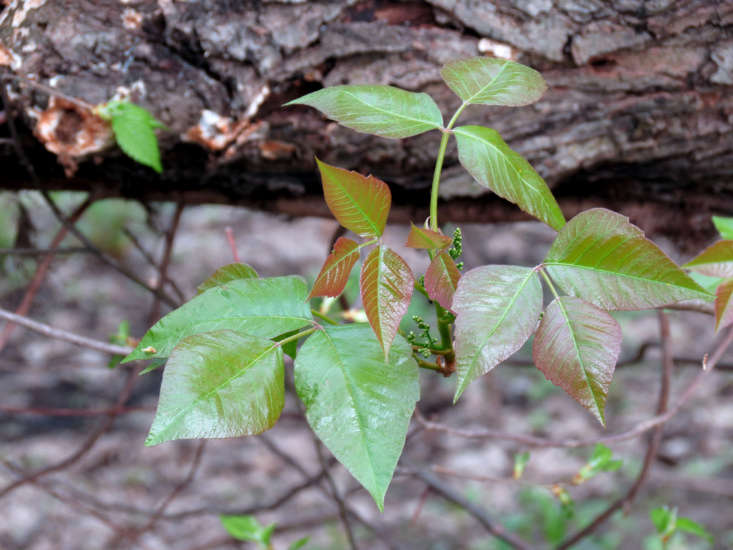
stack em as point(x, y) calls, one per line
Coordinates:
point(386, 285)
point(689, 526)
point(335, 272)
point(497, 308)
point(358, 403)
point(724, 305)
point(493, 81)
point(576, 348)
point(133, 128)
point(664, 520)
point(441, 279)
point(384, 111)
point(361, 204)
point(494, 164)
point(600, 461)
point(219, 384)
point(715, 261)
point(226, 274)
point(259, 307)
point(603, 259)
point(248, 528)
point(300, 543)
point(724, 226)
point(520, 463)
point(422, 238)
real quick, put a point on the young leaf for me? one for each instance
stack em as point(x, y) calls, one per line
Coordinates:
point(494, 164)
point(361, 204)
point(603, 259)
point(441, 279)
point(358, 403)
point(724, 305)
point(248, 528)
point(300, 543)
point(493, 81)
point(386, 285)
point(724, 226)
point(419, 237)
point(384, 111)
point(689, 526)
point(219, 384)
point(225, 274)
point(133, 129)
point(335, 272)
point(576, 348)
point(497, 308)
point(664, 520)
point(601, 461)
point(259, 307)
point(715, 261)
point(520, 463)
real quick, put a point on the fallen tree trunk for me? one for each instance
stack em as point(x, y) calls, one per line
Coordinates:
point(638, 115)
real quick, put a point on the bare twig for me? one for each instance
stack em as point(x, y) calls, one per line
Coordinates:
point(84, 448)
point(42, 251)
point(232, 243)
point(170, 236)
point(149, 258)
point(73, 412)
point(343, 512)
point(41, 271)
point(59, 334)
point(438, 487)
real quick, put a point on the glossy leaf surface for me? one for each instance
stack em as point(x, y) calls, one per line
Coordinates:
point(724, 305)
point(497, 308)
point(226, 274)
point(386, 286)
point(359, 203)
point(259, 307)
point(133, 128)
point(358, 403)
point(715, 261)
point(219, 384)
point(494, 164)
point(493, 81)
point(724, 225)
point(335, 272)
point(426, 239)
point(576, 348)
point(380, 110)
point(441, 279)
point(602, 258)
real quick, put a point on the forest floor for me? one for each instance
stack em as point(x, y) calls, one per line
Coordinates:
point(117, 485)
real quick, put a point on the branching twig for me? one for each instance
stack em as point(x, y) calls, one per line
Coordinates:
point(59, 334)
point(445, 491)
point(84, 448)
point(170, 236)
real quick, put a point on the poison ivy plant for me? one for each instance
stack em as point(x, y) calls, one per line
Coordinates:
point(359, 383)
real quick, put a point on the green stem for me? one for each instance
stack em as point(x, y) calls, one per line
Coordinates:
point(439, 168)
point(323, 317)
point(428, 365)
point(547, 279)
point(297, 336)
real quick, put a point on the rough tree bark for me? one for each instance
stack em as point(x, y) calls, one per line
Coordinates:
point(638, 115)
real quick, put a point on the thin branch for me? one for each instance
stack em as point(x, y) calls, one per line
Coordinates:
point(85, 447)
point(73, 412)
point(448, 493)
point(170, 236)
point(151, 261)
point(41, 271)
point(59, 334)
point(232, 243)
point(42, 251)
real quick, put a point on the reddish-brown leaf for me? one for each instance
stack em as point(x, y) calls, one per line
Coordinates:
point(386, 288)
point(420, 237)
point(336, 269)
point(724, 304)
point(359, 203)
point(441, 279)
point(576, 347)
point(715, 261)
